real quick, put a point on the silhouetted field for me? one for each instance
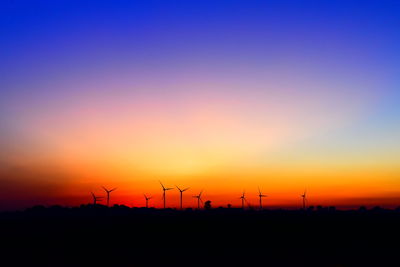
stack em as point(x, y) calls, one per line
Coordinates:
point(122, 236)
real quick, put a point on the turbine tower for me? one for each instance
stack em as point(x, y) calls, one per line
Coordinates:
point(164, 195)
point(243, 198)
point(304, 196)
point(199, 199)
point(108, 194)
point(181, 192)
point(147, 200)
point(260, 195)
point(95, 199)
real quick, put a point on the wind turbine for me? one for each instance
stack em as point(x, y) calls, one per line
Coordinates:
point(108, 194)
point(304, 196)
point(181, 192)
point(260, 195)
point(164, 195)
point(95, 199)
point(243, 198)
point(199, 199)
point(147, 200)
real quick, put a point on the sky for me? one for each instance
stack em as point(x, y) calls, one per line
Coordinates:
point(220, 96)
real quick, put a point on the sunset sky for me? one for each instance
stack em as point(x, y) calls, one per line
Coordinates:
point(223, 96)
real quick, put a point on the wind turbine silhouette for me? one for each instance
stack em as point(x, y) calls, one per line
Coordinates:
point(199, 199)
point(108, 194)
point(243, 198)
point(260, 195)
point(181, 192)
point(95, 199)
point(164, 195)
point(147, 200)
point(304, 196)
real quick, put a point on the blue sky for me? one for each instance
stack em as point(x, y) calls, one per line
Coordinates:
point(243, 78)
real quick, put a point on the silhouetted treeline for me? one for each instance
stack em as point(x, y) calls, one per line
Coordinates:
point(121, 236)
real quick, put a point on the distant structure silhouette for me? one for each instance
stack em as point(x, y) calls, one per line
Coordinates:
point(243, 198)
point(304, 196)
point(199, 199)
point(108, 194)
point(260, 195)
point(362, 209)
point(207, 205)
point(164, 195)
point(147, 200)
point(96, 199)
point(181, 194)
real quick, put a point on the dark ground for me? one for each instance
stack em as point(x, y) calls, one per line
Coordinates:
point(121, 236)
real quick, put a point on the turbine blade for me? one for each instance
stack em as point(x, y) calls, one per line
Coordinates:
point(185, 189)
point(178, 188)
point(162, 185)
point(113, 189)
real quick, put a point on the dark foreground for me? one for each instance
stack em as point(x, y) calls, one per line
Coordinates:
point(121, 236)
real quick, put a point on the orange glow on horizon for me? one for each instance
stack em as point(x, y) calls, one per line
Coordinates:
point(283, 186)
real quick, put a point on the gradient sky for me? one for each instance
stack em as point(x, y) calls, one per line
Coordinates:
point(221, 95)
